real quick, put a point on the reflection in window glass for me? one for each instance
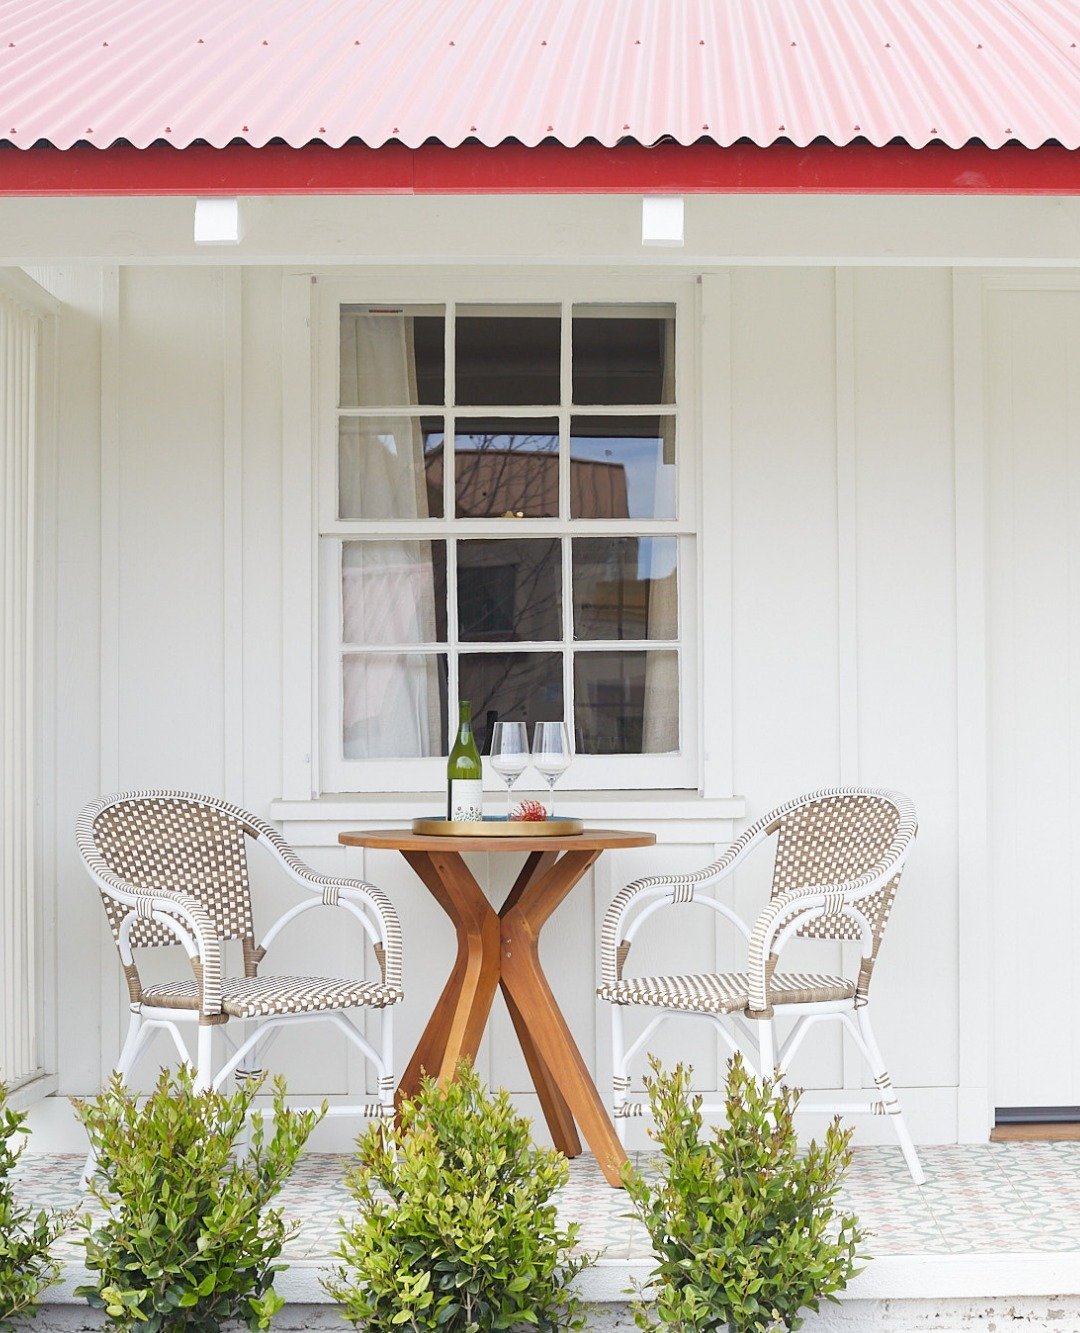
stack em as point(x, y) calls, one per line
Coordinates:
point(626, 702)
point(393, 592)
point(390, 467)
point(509, 591)
point(625, 587)
point(622, 467)
point(391, 357)
point(620, 360)
point(393, 705)
point(507, 360)
point(517, 687)
point(507, 468)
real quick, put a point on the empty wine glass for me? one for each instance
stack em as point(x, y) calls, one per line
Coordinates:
point(509, 753)
point(551, 754)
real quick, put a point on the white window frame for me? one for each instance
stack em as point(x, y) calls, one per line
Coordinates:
point(312, 532)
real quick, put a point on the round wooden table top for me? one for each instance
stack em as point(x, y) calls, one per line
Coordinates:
point(404, 840)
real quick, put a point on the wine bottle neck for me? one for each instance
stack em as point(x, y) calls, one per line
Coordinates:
point(464, 723)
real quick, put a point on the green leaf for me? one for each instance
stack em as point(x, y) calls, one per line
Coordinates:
point(186, 1225)
point(470, 1240)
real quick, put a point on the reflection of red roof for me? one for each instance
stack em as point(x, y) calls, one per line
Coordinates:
point(531, 70)
point(494, 481)
point(529, 453)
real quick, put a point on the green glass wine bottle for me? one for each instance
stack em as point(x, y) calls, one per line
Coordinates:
point(464, 776)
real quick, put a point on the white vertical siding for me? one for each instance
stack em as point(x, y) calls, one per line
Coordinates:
point(1032, 378)
point(20, 343)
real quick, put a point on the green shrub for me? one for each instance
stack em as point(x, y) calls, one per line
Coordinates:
point(456, 1228)
point(745, 1230)
point(26, 1266)
point(187, 1241)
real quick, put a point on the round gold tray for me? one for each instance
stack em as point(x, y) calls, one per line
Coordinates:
point(497, 828)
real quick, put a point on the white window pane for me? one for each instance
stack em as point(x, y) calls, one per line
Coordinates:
point(507, 467)
point(626, 702)
point(510, 591)
point(508, 358)
point(391, 357)
point(624, 358)
point(389, 467)
point(393, 592)
point(622, 467)
point(625, 587)
point(393, 705)
point(522, 687)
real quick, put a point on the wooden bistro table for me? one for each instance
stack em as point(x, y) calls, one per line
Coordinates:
point(499, 950)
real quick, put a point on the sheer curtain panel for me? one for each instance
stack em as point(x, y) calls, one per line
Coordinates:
point(388, 587)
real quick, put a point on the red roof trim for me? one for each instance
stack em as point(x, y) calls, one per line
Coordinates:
point(702, 168)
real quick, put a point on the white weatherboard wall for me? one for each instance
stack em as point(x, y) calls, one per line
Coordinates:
point(827, 416)
point(1032, 396)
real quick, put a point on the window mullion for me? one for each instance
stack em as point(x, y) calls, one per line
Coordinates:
point(449, 413)
point(452, 642)
point(566, 393)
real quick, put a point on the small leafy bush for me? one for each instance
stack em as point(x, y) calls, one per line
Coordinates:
point(745, 1230)
point(26, 1266)
point(456, 1229)
point(187, 1241)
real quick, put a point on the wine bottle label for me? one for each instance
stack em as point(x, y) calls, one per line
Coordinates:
point(466, 801)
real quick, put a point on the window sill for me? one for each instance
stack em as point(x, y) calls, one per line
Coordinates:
point(603, 808)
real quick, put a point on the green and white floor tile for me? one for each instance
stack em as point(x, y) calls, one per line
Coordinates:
point(990, 1198)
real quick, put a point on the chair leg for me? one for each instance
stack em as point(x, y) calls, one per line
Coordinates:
point(129, 1053)
point(130, 1050)
point(204, 1065)
point(889, 1099)
point(247, 1070)
point(620, 1082)
point(766, 1048)
point(387, 1080)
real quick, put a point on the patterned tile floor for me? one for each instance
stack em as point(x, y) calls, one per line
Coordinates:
point(991, 1198)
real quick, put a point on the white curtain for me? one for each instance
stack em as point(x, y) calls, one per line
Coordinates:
point(19, 343)
point(390, 706)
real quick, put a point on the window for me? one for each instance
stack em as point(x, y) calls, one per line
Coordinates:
point(504, 518)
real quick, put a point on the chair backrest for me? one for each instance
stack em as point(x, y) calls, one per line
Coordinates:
point(177, 841)
point(841, 835)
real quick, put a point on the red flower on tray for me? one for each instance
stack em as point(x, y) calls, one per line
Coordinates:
point(530, 812)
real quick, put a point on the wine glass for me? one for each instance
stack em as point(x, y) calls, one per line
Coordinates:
point(509, 753)
point(551, 754)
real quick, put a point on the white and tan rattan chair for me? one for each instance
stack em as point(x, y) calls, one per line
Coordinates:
point(172, 869)
point(839, 857)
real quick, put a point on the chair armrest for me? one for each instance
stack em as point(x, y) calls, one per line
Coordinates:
point(641, 897)
point(336, 891)
point(185, 916)
point(788, 911)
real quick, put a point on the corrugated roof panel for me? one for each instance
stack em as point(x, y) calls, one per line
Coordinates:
point(530, 70)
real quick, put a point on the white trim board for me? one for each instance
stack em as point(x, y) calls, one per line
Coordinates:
point(568, 230)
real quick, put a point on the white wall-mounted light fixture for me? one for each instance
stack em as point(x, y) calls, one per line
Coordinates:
point(662, 219)
point(217, 222)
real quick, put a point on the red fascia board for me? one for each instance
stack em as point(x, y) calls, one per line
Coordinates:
point(549, 168)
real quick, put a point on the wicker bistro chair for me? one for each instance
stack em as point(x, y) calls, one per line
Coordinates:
point(839, 857)
point(172, 869)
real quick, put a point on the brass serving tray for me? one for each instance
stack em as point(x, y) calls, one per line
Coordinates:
point(497, 828)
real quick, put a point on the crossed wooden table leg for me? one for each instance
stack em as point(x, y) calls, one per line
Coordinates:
point(499, 950)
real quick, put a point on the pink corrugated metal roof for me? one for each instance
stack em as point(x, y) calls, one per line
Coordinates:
point(569, 70)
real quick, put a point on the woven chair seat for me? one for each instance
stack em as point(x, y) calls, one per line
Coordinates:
point(724, 992)
point(262, 997)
